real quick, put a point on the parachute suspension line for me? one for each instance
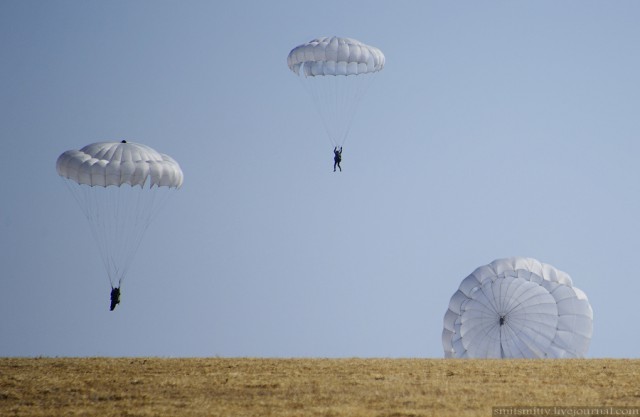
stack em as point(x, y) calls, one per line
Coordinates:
point(139, 214)
point(490, 306)
point(318, 95)
point(348, 90)
point(103, 203)
point(118, 218)
point(526, 345)
point(508, 334)
point(518, 346)
point(126, 209)
point(359, 89)
point(146, 209)
point(89, 206)
point(336, 99)
point(345, 90)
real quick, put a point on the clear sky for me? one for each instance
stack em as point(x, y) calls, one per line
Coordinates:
point(496, 129)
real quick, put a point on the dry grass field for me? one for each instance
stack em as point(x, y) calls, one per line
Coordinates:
point(307, 387)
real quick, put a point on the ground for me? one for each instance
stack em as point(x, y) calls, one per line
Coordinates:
point(308, 387)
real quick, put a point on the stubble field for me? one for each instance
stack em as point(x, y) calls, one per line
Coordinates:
point(307, 387)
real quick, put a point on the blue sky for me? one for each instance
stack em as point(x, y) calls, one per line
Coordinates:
point(496, 129)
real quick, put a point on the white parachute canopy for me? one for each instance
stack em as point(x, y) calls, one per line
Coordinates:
point(517, 308)
point(120, 187)
point(336, 72)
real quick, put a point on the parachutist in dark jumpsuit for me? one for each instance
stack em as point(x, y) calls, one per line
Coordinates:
point(115, 297)
point(337, 158)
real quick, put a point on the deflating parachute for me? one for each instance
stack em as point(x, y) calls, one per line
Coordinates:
point(517, 308)
point(336, 72)
point(120, 187)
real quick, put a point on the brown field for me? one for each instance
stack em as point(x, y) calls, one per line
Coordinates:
point(307, 387)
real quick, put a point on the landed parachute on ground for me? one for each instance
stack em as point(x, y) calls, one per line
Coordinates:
point(517, 308)
point(120, 187)
point(336, 72)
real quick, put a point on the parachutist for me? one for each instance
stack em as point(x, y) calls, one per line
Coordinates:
point(115, 297)
point(337, 158)
point(502, 320)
